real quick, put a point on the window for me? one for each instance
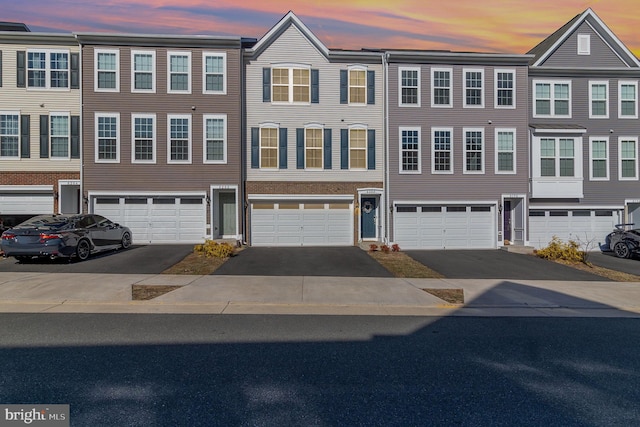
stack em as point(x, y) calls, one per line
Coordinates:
point(143, 69)
point(584, 44)
point(357, 86)
point(505, 89)
point(557, 157)
point(269, 148)
point(179, 74)
point(107, 66)
point(599, 159)
point(59, 136)
point(505, 151)
point(179, 146)
point(410, 150)
point(552, 99)
point(48, 69)
point(313, 148)
point(474, 150)
point(9, 135)
point(599, 100)
point(357, 148)
point(628, 166)
point(143, 148)
point(107, 138)
point(409, 86)
point(215, 138)
point(214, 72)
point(442, 151)
point(628, 107)
point(441, 87)
point(473, 88)
point(291, 85)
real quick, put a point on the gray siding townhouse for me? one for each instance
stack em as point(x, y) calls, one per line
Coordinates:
point(161, 134)
point(457, 141)
point(584, 132)
point(314, 141)
point(39, 124)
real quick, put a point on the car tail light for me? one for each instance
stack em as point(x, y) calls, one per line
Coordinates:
point(8, 236)
point(47, 236)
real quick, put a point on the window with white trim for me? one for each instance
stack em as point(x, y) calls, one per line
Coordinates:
point(291, 85)
point(552, 99)
point(628, 99)
point(107, 137)
point(599, 100)
point(505, 151)
point(357, 148)
point(179, 72)
point(599, 158)
point(628, 158)
point(107, 70)
point(179, 146)
point(268, 147)
point(48, 69)
point(410, 161)
point(557, 157)
point(313, 145)
point(9, 135)
point(143, 147)
point(505, 83)
point(215, 138)
point(59, 136)
point(214, 73)
point(409, 89)
point(143, 71)
point(357, 86)
point(473, 150)
point(473, 88)
point(441, 87)
point(442, 150)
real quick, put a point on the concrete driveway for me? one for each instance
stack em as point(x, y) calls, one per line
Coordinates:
point(307, 261)
point(144, 259)
point(609, 260)
point(497, 264)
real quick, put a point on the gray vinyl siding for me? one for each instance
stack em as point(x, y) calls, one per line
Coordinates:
point(291, 48)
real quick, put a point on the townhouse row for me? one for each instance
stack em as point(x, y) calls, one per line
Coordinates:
point(282, 141)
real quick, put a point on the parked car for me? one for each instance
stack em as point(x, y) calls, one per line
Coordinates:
point(624, 241)
point(64, 236)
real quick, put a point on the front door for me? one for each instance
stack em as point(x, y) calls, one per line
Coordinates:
point(507, 220)
point(227, 202)
point(368, 218)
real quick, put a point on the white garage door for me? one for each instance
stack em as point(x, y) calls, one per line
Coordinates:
point(26, 203)
point(165, 219)
point(587, 227)
point(300, 223)
point(445, 227)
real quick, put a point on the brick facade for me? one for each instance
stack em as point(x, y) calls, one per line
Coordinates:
point(36, 178)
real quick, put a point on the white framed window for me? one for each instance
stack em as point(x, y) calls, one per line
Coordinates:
point(505, 160)
point(441, 89)
point(599, 158)
point(584, 44)
point(143, 71)
point(313, 147)
point(473, 150)
point(106, 70)
point(9, 135)
point(179, 138)
point(357, 147)
point(410, 155)
point(628, 99)
point(291, 85)
point(179, 72)
point(357, 85)
point(269, 147)
point(552, 98)
point(214, 72)
point(558, 157)
point(48, 69)
point(505, 84)
point(628, 158)
point(215, 138)
point(107, 137)
point(143, 141)
point(473, 88)
point(599, 100)
point(409, 87)
point(59, 136)
point(442, 150)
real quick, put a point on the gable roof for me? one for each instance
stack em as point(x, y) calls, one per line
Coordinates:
point(549, 45)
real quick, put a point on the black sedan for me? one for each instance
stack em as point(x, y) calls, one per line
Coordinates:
point(64, 236)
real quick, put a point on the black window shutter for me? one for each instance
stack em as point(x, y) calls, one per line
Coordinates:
point(25, 139)
point(315, 86)
point(266, 85)
point(344, 148)
point(75, 71)
point(75, 137)
point(300, 148)
point(371, 149)
point(283, 148)
point(21, 68)
point(255, 148)
point(44, 136)
point(344, 87)
point(327, 148)
point(0, 68)
point(371, 87)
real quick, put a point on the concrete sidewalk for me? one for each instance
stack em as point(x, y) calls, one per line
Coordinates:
point(111, 293)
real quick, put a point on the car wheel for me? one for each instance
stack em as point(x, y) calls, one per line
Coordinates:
point(83, 250)
point(622, 250)
point(126, 240)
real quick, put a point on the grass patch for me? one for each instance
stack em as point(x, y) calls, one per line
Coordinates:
point(197, 264)
point(616, 276)
point(147, 292)
point(402, 265)
point(452, 296)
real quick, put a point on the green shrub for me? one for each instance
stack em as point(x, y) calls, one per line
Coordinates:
point(567, 251)
point(213, 249)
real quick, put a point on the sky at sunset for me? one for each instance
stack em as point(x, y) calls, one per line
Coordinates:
point(513, 26)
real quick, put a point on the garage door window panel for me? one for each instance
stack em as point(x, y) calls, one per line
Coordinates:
point(144, 139)
point(107, 138)
point(179, 139)
point(9, 136)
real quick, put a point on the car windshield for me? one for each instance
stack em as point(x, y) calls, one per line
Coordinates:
point(45, 223)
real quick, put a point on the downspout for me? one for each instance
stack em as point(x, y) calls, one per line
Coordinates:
point(243, 147)
point(81, 136)
point(385, 151)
